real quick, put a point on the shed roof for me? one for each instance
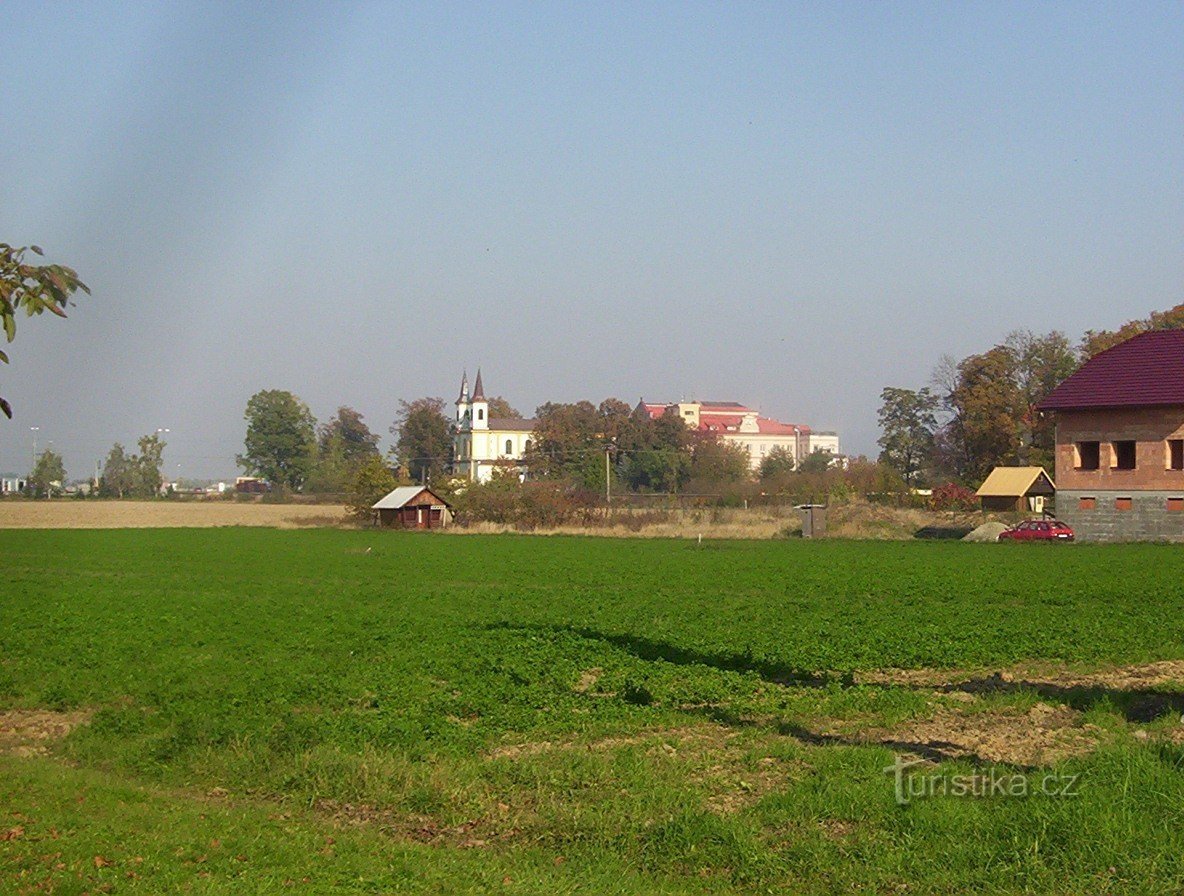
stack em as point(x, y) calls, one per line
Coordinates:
point(405, 495)
point(1012, 482)
point(1147, 369)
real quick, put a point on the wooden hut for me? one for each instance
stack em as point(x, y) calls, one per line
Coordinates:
point(1024, 489)
point(413, 507)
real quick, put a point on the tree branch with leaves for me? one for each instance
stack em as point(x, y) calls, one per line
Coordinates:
point(33, 289)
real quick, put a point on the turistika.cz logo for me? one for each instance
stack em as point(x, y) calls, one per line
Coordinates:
point(988, 783)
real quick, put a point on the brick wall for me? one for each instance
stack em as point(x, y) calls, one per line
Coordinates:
point(1148, 518)
point(1149, 428)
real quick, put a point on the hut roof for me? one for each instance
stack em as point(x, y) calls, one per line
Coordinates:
point(1013, 482)
point(406, 495)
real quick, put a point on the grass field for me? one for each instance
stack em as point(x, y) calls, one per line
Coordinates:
point(330, 711)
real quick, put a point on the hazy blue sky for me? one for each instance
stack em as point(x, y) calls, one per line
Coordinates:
point(788, 205)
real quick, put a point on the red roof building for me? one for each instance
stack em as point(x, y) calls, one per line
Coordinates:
point(743, 426)
point(1120, 441)
point(1145, 371)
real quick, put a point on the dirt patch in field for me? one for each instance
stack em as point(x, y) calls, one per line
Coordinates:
point(1045, 733)
point(1040, 736)
point(717, 758)
point(32, 732)
point(1118, 678)
point(93, 514)
point(477, 833)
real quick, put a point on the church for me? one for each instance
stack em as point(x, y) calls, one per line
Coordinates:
point(481, 444)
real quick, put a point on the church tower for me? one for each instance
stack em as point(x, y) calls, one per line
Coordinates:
point(462, 403)
point(479, 407)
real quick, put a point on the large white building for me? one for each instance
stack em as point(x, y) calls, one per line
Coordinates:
point(481, 444)
point(740, 425)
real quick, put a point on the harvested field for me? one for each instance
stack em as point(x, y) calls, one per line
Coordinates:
point(67, 514)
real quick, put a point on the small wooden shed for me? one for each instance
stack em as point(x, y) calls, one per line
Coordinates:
point(1026, 489)
point(413, 507)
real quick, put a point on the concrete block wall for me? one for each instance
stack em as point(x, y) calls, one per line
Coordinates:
point(1147, 520)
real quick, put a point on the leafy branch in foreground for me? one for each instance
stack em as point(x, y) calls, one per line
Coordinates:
point(34, 288)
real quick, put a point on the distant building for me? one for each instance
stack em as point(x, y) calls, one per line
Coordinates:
point(251, 485)
point(1023, 489)
point(742, 426)
point(413, 507)
point(13, 485)
point(1120, 441)
point(480, 444)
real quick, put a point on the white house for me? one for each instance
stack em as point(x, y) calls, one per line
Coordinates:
point(481, 444)
point(13, 485)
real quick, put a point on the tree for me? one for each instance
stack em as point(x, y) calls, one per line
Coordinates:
point(987, 406)
point(654, 454)
point(281, 438)
point(370, 479)
point(992, 400)
point(342, 444)
point(1094, 342)
point(48, 474)
point(423, 438)
point(908, 421)
point(133, 475)
point(715, 462)
point(118, 478)
point(1041, 364)
point(817, 461)
point(33, 288)
point(777, 464)
point(568, 443)
point(500, 409)
point(350, 429)
point(147, 467)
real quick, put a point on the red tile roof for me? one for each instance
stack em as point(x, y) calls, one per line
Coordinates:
point(1147, 369)
point(777, 428)
point(718, 422)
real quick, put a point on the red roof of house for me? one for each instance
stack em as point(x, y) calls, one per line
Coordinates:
point(1147, 369)
point(718, 422)
point(726, 416)
point(777, 428)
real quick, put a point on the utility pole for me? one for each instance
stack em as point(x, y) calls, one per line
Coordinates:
point(608, 479)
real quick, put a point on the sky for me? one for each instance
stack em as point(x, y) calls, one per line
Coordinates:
point(789, 205)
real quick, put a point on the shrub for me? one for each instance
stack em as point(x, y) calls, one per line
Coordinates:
point(952, 496)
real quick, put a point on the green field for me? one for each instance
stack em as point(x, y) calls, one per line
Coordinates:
point(372, 712)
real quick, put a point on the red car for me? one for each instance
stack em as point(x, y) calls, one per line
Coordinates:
point(1038, 530)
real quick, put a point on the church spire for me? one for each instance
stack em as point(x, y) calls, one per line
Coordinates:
point(478, 389)
point(464, 389)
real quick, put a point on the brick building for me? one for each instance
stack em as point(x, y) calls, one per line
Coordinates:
point(1120, 441)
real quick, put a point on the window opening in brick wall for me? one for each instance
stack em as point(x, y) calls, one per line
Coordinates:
point(1176, 454)
point(1087, 455)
